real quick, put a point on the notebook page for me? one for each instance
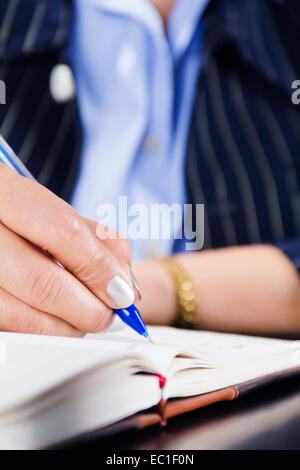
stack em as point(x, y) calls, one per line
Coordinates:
point(234, 359)
point(221, 348)
point(209, 348)
point(35, 364)
point(160, 353)
point(84, 405)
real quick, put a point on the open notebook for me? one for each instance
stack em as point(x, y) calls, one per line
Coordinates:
point(54, 389)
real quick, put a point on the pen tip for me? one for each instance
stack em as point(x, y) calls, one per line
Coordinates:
point(149, 339)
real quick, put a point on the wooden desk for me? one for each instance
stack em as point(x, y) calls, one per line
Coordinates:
point(266, 419)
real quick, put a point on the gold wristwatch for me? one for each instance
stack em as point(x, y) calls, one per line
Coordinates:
point(186, 317)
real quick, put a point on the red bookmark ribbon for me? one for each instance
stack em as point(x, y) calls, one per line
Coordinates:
point(162, 380)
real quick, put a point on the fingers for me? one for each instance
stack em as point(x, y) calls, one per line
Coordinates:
point(21, 318)
point(119, 246)
point(114, 241)
point(40, 283)
point(45, 220)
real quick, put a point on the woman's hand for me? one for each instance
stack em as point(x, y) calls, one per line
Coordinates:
point(252, 289)
point(38, 296)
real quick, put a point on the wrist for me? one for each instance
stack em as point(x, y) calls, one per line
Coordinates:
point(159, 303)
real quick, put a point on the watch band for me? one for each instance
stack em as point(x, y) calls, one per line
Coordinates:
point(186, 317)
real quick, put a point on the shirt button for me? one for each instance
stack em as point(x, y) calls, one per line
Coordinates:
point(61, 83)
point(151, 144)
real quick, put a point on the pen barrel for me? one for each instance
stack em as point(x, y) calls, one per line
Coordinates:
point(132, 317)
point(10, 159)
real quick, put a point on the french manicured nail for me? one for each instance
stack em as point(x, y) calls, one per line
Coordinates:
point(120, 292)
point(135, 283)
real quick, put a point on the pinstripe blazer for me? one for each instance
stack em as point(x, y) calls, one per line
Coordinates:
point(45, 134)
point(243, 151)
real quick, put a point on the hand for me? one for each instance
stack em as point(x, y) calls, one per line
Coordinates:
point(36, 295)
point(251, 289)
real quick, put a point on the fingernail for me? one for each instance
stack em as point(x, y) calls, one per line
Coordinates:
point(135, 283)
point(120, 292)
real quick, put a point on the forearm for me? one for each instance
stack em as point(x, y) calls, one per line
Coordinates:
point(249, 289)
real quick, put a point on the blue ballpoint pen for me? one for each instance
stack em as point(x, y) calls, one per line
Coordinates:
point(130, 315)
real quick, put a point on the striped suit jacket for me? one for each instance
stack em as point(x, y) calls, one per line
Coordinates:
point(243, 150)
